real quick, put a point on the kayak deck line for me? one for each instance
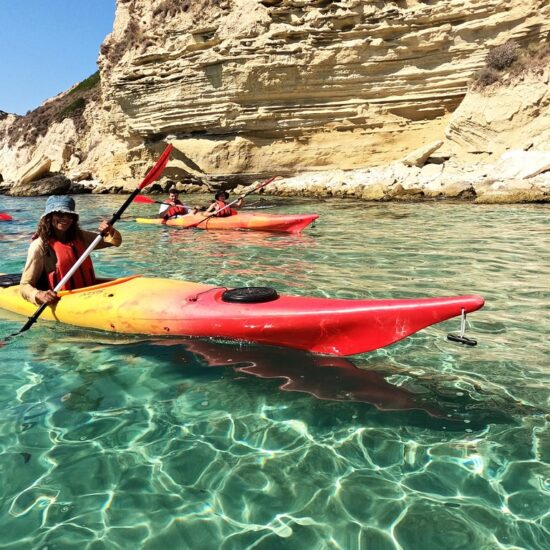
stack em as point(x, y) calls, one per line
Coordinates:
point(104, 284)
point(281, 223)
point(167, 307)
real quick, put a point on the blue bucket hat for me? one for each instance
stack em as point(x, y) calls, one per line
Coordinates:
point(60, 203)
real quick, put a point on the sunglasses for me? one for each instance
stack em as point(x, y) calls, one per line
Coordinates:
point(63, 215)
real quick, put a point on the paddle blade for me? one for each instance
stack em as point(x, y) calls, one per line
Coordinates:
point(157, 170)
point(143, 198)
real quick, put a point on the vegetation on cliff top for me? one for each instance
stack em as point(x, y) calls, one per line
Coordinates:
point(86, 84)
point(71, 104)
point(509, 61)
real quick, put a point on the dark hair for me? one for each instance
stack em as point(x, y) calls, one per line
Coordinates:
point(220, 193)
point(173, 190)
point(45, 231)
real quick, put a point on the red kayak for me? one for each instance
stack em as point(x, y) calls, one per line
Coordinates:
point(5, 217)
point(142, 305)
point(287, 223)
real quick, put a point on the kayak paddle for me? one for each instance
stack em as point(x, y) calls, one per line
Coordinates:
point(257, 188)
point(146, 200)
point(151, 176)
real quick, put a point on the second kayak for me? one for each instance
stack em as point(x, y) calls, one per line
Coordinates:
point(287, 223)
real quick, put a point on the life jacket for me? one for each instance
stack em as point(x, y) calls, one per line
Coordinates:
point(67, 254)
point(176, 210)
point(226, 211)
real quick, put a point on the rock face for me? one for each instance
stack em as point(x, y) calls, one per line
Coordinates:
point(35, 169)
point(245, 89)
point(515, 115)
point(256, 86)
point(506, 181)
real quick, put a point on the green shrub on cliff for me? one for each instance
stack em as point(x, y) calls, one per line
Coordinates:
point(37, 122)
point(71, 108)
point(509, 60)
point(86, 84)
point(502, 57)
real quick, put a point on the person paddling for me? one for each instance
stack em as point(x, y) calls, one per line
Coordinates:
point(173, 207)
point(219, 205)
point(56, 245)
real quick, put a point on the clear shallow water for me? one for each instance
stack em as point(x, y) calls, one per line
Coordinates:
point(127, 442)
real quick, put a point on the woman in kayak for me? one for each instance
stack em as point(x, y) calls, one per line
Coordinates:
point(173, 206)
point(220, 207)
point(55, 248)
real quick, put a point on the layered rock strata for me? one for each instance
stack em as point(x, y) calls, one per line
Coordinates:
point(251, 86)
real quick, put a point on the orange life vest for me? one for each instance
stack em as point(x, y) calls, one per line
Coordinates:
point(67, 254)
point(226, 211)
point(176, 210)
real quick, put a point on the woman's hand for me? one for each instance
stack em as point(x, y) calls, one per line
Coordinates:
point(46, 297)
point(105, 229)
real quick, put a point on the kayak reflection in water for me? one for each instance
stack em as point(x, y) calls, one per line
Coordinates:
point(55, 248)
point(324, 377)
point(436, 402)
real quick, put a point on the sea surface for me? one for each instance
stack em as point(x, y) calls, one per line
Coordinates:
point(111, 442)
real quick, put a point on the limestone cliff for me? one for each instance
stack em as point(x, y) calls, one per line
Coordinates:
point(511, 114)
point(245, 88)
point(254, 86)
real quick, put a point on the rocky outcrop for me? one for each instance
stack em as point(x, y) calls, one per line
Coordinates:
point(55, 184)
point(34, 170)
point(511, 114)
point(483, 183)
point(419, 156)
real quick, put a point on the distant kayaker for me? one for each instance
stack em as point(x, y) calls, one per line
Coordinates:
point(172, 206)
point(220, 206)
point(55, 248)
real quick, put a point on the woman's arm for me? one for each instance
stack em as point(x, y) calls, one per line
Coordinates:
point(212, 208)
point(34, 268)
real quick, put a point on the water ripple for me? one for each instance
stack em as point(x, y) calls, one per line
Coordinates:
point(125, 442)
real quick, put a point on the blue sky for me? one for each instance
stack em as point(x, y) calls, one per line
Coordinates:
point(46, 46)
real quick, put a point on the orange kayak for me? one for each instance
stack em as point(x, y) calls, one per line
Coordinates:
point(287, 223)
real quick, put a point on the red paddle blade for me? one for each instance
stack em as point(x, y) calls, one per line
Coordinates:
point(157, 170)
point(143, 198)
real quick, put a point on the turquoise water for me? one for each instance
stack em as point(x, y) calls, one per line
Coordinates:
point(129, 442)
